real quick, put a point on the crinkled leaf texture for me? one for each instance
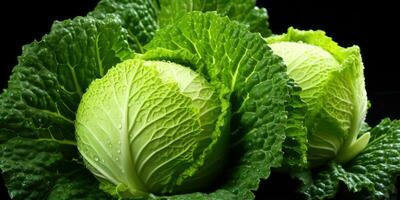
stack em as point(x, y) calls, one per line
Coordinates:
point(138, 17)
point(45, 169)
point(47, 84)
point(142, 18)
point(37, 109)
point(151, 133)
point(246, 74)
point(372, 173)
point(243, 11)
point(295, 145)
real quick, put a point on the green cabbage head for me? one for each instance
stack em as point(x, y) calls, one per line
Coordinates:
point(332, 82)
point(151, 127)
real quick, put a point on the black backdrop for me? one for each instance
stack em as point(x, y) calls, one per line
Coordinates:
point(370, 24)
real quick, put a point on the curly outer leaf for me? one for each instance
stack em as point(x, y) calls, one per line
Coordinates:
point(244, 70)
point(37, 109)
point(243, 11)
point(372, 173)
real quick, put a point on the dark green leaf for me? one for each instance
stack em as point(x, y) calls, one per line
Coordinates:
point(138, 17)
point(243, 11)
point(373, 171)
point(295, 145)
point(46, 86)
point(243, 68)
point(44, 169)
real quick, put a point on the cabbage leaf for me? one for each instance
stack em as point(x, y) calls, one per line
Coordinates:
point(37, 110)
point(241, 66)
point(142, 18)
point(372, 173)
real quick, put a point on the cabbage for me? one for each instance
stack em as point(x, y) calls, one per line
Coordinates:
point(152, 127)
point(146, 99)
point(332, 82)
point(111, 106)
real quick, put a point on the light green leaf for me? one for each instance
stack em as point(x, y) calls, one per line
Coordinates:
point(372, 173)
point(47, 84)
point(244, 71)
point(138, 17)
point(243, 11)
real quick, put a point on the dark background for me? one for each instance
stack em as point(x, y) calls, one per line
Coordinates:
point(370, 24)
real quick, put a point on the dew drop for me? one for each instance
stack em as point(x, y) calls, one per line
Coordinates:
point(96, 159)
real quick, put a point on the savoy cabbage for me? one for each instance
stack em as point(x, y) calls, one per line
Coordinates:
point(173, 99)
